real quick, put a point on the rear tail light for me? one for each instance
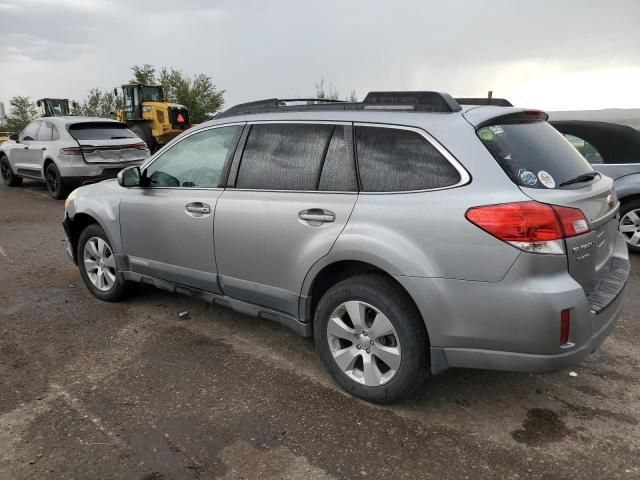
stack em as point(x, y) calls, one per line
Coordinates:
point(530, 226)
point(565, 325)
point(139, 146)
point(71, 151)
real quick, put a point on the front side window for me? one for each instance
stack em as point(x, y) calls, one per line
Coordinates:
point(284, 156)
point(196, 161)
point(588, 151)
point(45, 134)
point(30, 132)
point(395, 160)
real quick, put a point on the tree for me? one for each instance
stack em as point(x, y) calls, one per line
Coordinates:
point(330, 92)
point(197, 93)
point(22, 111)
point(97, 103)
point(145, 74)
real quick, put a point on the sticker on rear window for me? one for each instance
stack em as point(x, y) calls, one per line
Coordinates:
point(527, 177)
point(496, 129)
point(486, 134)
point(546, 179)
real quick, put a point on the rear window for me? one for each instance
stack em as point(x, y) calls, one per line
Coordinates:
point(533, 154)
point(100, 131)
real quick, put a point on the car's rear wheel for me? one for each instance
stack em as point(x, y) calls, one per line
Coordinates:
point(55, 184)
point(371, 338)
point(630, 224)
point(8, 177)
point(97, 264)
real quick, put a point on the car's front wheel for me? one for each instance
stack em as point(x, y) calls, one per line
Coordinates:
point(8, 177)
point(630, 224)
point(97, 264)
point(371, 338)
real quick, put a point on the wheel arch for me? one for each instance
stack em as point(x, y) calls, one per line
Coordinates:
point(77, 225)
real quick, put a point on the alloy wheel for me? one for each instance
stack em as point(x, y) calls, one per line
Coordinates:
point(630, 227)
point(5, 170)
point(99, 263)
point(364, 344)
point(53, 181)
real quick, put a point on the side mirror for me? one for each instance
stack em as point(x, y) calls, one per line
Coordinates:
point(14, 137)
point(129, 177)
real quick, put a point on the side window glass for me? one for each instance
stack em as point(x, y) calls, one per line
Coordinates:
point(394, 160)
point(284, 156)
point(587, 150)
point(339, 170)
point(30, 133)
point(196, 161)
point(45, 133)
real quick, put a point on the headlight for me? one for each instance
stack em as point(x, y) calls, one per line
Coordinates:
point(70, 198)
point(146, 109)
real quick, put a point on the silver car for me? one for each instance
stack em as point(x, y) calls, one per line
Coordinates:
point(407, 233)
point(64, 152)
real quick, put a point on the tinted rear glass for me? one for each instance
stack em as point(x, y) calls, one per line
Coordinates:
point(100, 131)
point(395, 160)
point(533, 155)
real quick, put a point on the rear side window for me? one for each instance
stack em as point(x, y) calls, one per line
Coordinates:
point(45, 134)
point(395, 160)
point(100, 131)
point(533, 154)
point(284, 156)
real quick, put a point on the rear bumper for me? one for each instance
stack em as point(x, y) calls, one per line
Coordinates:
point(514, 324)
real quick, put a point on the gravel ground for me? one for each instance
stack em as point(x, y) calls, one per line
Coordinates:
point(91, 390)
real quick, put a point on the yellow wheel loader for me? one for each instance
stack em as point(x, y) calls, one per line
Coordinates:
point(53, 107)
point(150, 116)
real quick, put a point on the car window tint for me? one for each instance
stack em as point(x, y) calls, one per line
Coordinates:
point(45, 133)
point(31, 131)
point(393, 160)
point(587, 150)
point(196, 161)
point(533, 154)
point(283, 156)
point(339, 170)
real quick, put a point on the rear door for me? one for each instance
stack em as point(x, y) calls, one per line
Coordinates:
point(290, 195)
point(167, 225)
point(547, 168)
point(108, 142)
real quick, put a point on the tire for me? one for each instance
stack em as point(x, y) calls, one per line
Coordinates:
point(55, 183)
point(363, 373)
point(10, 179)
point(104, 281)
point(630, 224)
point(144, 132)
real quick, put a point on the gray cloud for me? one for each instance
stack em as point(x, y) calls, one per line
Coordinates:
point(257, 49)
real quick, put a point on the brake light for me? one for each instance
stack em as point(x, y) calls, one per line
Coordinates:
point(139, 146)
point(530, 226)
point(71, 151)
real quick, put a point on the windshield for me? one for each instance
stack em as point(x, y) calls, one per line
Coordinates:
point(100, 131)
point(533, 154)
point(151, 94)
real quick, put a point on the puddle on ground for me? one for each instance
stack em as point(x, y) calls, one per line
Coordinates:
point(540, 427)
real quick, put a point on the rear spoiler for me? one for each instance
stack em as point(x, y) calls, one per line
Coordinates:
point(496, 102)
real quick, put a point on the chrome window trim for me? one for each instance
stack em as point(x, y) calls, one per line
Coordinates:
point(465, 178)
point(172, 145)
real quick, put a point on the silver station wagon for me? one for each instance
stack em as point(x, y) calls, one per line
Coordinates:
point(408, 233)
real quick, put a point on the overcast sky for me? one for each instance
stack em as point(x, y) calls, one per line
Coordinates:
point(551, 54)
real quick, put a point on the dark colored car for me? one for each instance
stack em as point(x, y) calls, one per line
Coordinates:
point(613, 150)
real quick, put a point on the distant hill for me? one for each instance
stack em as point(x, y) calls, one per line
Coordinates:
point(625, 116)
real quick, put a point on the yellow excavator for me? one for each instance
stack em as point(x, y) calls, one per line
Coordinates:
point(150, 116)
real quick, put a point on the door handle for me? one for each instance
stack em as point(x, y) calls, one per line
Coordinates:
point(198, 208)
point(317, 215)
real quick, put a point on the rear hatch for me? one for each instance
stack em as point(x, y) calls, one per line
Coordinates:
point(108, 142)
point(548, 169)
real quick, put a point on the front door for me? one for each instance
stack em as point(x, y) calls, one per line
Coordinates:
point(294, 193)
point(167, 225)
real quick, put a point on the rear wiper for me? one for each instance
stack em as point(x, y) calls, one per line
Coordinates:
point(585, 177)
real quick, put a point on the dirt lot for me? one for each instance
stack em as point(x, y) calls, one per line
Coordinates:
point(91, 390)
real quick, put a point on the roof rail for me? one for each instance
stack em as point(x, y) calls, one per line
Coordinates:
point(404, 101)
point(498, 102)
